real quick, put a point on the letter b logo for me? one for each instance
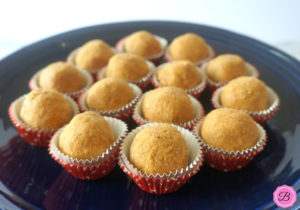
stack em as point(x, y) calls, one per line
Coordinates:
point(284, 196)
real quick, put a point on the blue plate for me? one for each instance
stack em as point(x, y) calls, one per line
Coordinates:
point(29, 178)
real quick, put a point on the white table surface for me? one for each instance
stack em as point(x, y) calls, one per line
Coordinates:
point(276, 22)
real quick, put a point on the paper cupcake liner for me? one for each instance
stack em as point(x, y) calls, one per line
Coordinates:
point(199, 114)
point(211, 54)
point(95, 168)
point(34, 83)
point(38, 137)
point(230, 160)
point(71, 59)
point(252, 71)
point(156, 58)
point(124, 113)
point(260, 116)
point(196, 91)
point(166, 183)
point(142, 83)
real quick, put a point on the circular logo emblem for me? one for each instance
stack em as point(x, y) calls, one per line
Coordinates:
point(284, 196)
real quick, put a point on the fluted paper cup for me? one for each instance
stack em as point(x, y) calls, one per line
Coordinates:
point(165, 183)
point(252, 72)
point(124, 113)
point(155, 58)
point(38, 137)
point(259, 116)
point(94, 168)
point(34, 83)
point(211, 54)
point(139, 118)
point(230, 160)
point(195, 91)
point(72, 59)
point(143, 83)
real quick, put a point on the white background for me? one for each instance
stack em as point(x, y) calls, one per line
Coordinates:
point(276, 22)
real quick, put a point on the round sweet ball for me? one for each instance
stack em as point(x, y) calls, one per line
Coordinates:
point(190, 47)
point(229, 130)
point(109, 94)
point(45, 109)
point(142, 43)
point(87, 136)
point(93, 55)
point(63, 77)
point(159, 149)
point(168, 104)
point(226, 67)
point(127, 66)
point(182, 74)
point(246, 93)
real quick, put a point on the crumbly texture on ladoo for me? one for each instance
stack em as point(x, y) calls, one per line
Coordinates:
point(45, 109)
point(142, 43)
point(63, 77)
point(127, 66)
point(168, 104)
point(226, 67)
point(229, 130)
point(109, 94)
point(246, 93)
point(93, 55)
point(87, 136)
point(182, 74)
point(189, 46)
point(159, 149)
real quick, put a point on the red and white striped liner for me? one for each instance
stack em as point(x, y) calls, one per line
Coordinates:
point(95, 168)
point(198, 108)
point(211, 54)
point(252, 72)
point(124, 113)
point(143, 83)
point(230, 160)
point(34, 83)
point(166, 183)
point(155, 58)
point(38, 137)
point(195, 91)
point(71, 59)
point(260, 116)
